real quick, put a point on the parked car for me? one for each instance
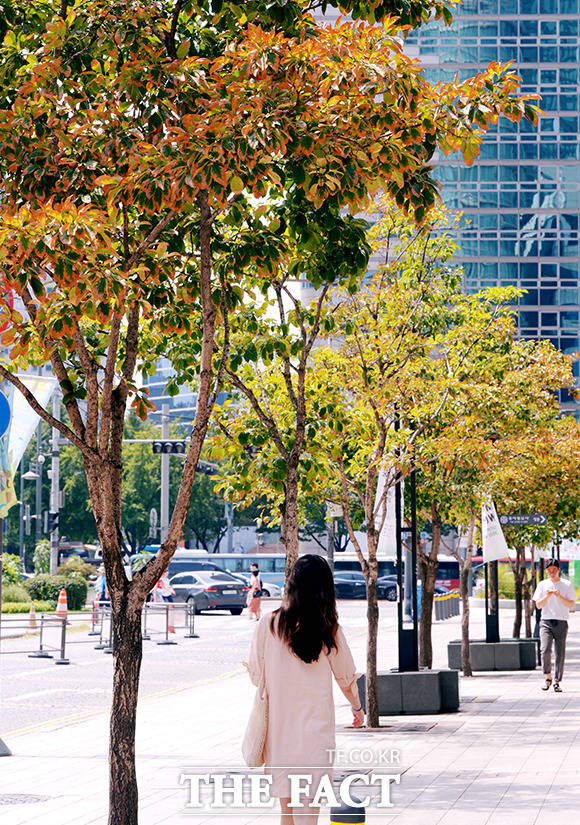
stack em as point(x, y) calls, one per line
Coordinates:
point(210, 590)
point(350, 585)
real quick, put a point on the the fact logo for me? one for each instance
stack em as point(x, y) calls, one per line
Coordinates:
point(241, 790)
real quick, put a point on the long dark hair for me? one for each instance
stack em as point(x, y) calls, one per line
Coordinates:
point(307, 619)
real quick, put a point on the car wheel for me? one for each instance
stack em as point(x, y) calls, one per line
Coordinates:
point(266, 593)
point(392, 594)
point(235, 611)
point(196, 609)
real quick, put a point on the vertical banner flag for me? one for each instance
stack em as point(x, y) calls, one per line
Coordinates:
point(387, 544)
point(23, 422)
point(492, 537)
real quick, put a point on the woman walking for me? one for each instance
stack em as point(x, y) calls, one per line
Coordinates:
point(300, 647)
point(254, 600)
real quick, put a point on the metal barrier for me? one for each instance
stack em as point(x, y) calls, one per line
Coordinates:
point(101, 625)
point(42, 652)
point(447, 605)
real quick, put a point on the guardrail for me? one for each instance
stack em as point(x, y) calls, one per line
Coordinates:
point(447, 605)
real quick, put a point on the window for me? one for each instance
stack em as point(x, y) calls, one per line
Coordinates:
point(529, 298)
point(528, 319)
point(569, 320)
point(568, 297)
point(183, 578)
point(548, 297)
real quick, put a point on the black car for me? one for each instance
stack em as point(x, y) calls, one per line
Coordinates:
point(210, 590)
point(350, 585)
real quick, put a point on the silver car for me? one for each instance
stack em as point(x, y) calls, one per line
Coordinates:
point(210, 590)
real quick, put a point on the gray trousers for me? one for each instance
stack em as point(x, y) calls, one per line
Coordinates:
point(554, 630)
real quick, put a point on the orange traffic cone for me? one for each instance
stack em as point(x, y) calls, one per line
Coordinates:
point(170, 620)
point(62, 606)
point(32, 617)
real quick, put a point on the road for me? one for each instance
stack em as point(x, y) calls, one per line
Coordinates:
point(34, 691)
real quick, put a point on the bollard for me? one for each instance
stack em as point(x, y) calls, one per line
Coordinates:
point(346, 813)
point(447, 605)
point(437, 601)
point(167, 640)
point(40, 653)
point(63, 660)
point(191, 617)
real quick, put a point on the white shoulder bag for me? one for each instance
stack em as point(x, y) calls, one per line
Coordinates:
point(254, 741)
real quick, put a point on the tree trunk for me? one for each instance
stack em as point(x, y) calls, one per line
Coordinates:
point(428, 570)
point(289, 536)
point(527, 583)
point(372, 694)
point(518, 592)
point(127, 655)
point(464, 578)
point(465, 570)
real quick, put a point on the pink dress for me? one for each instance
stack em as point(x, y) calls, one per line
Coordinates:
point(301, 726)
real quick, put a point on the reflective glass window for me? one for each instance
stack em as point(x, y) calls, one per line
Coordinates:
point(549, 297)
point(568, 248)
point(568, 124)
point(488, 248)
point(488, 7)
point(528, 28)
point(549, 270)
point(568, 6)
point(488, 221)
point(569, 344)
point(569, 320)
point(548, 6)
point(568, 54)
point(487, 53)
point(488, 151)
point(549, 102)
point(568, 76)
point(528, 173)
point(528, 6)
point(548, 151)
point(568, 28)
point(529, 298)
point(528, 54)
point(508, 200)
point(569, 297)
point(528, 319)
point(569, 103)
point(548, 28)
point(507, 151)
point(549, 319)
point(569, 151)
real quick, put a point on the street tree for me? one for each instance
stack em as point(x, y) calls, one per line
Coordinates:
point(141, 147)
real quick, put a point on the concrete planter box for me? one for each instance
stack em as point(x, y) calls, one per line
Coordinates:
point(508, 654)
point(421, 692)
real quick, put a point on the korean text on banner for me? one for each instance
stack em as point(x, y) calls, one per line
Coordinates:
point(492, 537)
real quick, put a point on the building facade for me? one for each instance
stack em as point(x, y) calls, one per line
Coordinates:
point(520, 197)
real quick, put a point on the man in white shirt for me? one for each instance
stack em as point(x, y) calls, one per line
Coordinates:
point(555, 597)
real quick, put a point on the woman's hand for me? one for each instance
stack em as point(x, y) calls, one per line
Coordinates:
point(358, 718)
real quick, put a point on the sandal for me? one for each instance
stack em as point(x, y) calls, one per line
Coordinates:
point(548, 683)
point(557, 687)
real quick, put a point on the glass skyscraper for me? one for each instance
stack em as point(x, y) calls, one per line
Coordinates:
point(521, 194)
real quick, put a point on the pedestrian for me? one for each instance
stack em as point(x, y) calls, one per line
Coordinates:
point(254, 600)
point(164, 592)
point(298, 648)
point(101, 590)
point(555, 597)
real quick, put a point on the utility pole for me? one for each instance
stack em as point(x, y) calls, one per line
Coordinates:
point(39, 464)
point(230, 526)
point(54, 487)
point(164, 515)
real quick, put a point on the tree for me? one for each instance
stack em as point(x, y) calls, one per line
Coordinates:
point(141, 146)
point(540, 472)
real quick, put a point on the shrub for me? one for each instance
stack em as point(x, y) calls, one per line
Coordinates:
point(24, 607)
point(47, 587)
point(14, 593)
point(506, 582)
point(11, 569)
point(41, 557)
point(74, 564)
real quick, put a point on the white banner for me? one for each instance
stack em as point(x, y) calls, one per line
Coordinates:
point(569, 550)
point(492, 537)
point(387, 545)
point(23, 423)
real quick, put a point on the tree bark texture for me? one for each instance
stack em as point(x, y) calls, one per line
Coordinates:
point(428, 570)
point(518, 571)
point(371, 683)
point(464, 590)
point(127, 656)
point(289, 537)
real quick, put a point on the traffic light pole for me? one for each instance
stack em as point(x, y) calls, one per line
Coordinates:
point(164, 514)
point(54, 487)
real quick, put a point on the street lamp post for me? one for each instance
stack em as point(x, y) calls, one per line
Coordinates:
point(29, 476)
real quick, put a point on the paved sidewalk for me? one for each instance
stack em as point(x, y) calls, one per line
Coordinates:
point(511, 756)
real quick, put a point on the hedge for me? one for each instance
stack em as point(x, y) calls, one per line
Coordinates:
point(45, 587)
point(24, 607)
